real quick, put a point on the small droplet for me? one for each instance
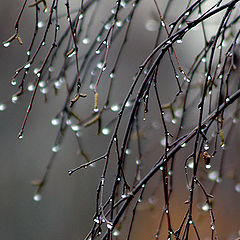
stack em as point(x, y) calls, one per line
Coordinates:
point(123, 4)
point(161, 168)
point(187, 13)
point(69, 121)
point(59, 83)
point(128, 104)
point(206, 146)
point(91, 86)
point(212, 227)
point(58, 27)
point(98, 38)
point(178, 112)
point(86, 40)
point(36, 70)
point(138, 162)
point(128, 151)
point(98, 52)
point(119, 23)
point(109, 226)
point(42, 84)
point(100, 65)
point(107, 26)
point(40, 24)
point(116, 233)
point(96, 220)
point(183, 145)
point(227, 99)
point(205, 207)
point(208, 166)
point(174, 121)
point(37, 197)
point(105, 131)
point(190, 221)
point(55, 121)
point(179, 41)
point(13, 82)
point(14, 98)
point(237, 187)
point(115, 108)
point(203, 59)
point(75, 128)
point(30, 87)
point(213, 175)
point(27, 65)
point(44, 90)
point(28, 53)
point(112, 75)
point(6, 44)
point(56, 148)
point(163, 142)
point(2, 106)
point(170, 172)
point(95, 110)
point(43, 43)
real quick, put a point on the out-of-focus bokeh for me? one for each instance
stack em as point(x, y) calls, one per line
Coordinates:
point(68, 202)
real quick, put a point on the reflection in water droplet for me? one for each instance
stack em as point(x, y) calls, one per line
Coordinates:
point(56, 148)
point(55, 121)
point(37, 197)
point(2, 106)
point(105, 131)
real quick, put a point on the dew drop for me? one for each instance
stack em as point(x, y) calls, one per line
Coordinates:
point(40, 24)
point(38, 74)
point(123, 4)
point(69, 121)
point(212, 227)
point(6, 44)
point(37, 197)
point(27, 65)
point(55, 148)
point(227, 100)
point(163, 142)
point(105, 131)
point(138, 162)
point(205, 207)
point(190, 221)
point(30, 87)
point(91, 86)
point(128, 104)
point(36, 70)
point(14, 98)
point(75, 128)
point(13, 82)
point(190, 164)
point(107, 26)
point(174, 121)
point(178, 112)
point(43, 43)
point(161, 168)
point(96, 220)
point(28, 53)
point(237, 187)
point(179, 41)
point(128, 151)
point(213, 175)
point(98, 38)
point(119, 23)
point(98, 52)
point(115, 108)
point(42, 84)
point(206, 146)
point(95, 110)
point(59, 83)
point(208, 166)
point(100, 65)
point(112, 75)
point(2, 106)
point(86, 40)
point(203, 60)
point(109, 226)
point(44, 90)
point(55, 121)
point(116, 233)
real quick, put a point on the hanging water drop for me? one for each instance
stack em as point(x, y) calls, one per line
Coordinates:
point(13, 82)
point(237, 187)
point(190, 164)
point(116, 233)
point(27, 65)
point(55, 121)
point(109, 226)
point(2, 106)
point(30, 87)
point(44, 90)
point(86, 40)
point(206, 146)
point(107, 26)
point(37, 197)
point(58, 27)
point(14, 98)
point(213, 175)
point(40, 24)
point(28, 53)
point(55, 148)
point(203, 59)
point(119, 23)
point(115, 107)
point(98, 52)
point(128, 151)
point(205, 207)
point(75, 128)
point(100, 65)
point(105, 131)
point(179, 41)
point(6, 44)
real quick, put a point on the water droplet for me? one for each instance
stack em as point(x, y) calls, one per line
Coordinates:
point(71, 54)
point(213, 227)
point(174, 121)
point(163, 23)
point(204, 59)
point(14, 98)
point(237, 187)
point(20, 135)
point(208, 166)
point(107, 26)
point(13, 82)
point(36, 70)
point(128, 151)
point(28, 53)
point(55, 121)
point(205, 207)
point(98, 52)
point(187, 13)
point(105, 131)
point(213, 175)
point(27, 65)
point(116, 233)
point(110, 226)
point(183, 145)
point(86, 40)
point(58, 27)
point(190, 164)
point(51, 69)
point(178, 112)
point(59, 83)
point(123, 196)
point(206, 146)
point(96, 220)
point(111, 75)
point(161, 168)
point(37, 197)
point(223, 145)
point(100, 65)
point(42, 84)
point(169, 42)
point(69, 121)
point(115, 108)
point(2, 106)
point(170, 172)
point(119, 23)
point(190, 221)
point(138, 162)
point(6, 44)
point(75, 128)
point(30, 87)
point(179, 41)
point(40, 24)
point(95, 110)
point(91, 86)
point(44, 90)
point(43, 43)
point(163, 142)
point(98, 38)
point(227, 99)
point(123, 4)
point(180, 26)
point(56, 148)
